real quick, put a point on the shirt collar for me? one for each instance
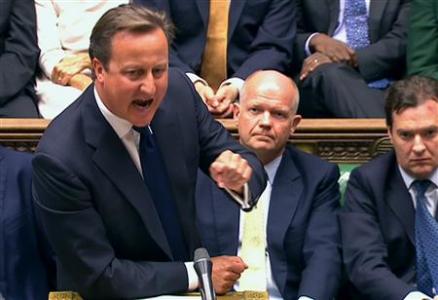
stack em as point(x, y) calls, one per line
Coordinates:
point(408, 179)
point(271, 168)
point(121, 126)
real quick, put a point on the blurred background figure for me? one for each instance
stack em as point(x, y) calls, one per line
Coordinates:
point(27, 268)
point(64, 29)
point(219, 43)
point(18, 59)
point(347, 52)
point(423, 39)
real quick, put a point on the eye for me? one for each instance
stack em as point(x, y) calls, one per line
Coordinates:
point(430, 133)
point(406, 135)
point(254, 110)
point(134, 73)
point(280, 115)
point(158, 72)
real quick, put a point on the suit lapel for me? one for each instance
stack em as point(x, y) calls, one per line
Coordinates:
point(333, 6)
point(236, 8)
point(377, 7)
point(285, 195)
point(227, 218)
point(204, 11)
point(114, 160)
point(400, 201)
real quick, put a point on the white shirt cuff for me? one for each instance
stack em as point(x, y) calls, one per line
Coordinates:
point(195, 78)
point(417, 296)
point(193, 277)
point(234, 81)
point(243, 201)
point(305, 298)
point(306, 45)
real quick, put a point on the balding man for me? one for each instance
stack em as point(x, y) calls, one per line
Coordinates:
point(300, 250)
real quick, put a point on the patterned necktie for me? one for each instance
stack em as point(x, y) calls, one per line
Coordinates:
point(214, 61)
point(356, 26)
point(158, 183)
point(426, 239)
point(253, 249)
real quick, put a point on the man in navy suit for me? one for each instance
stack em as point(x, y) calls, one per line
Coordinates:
point(334, 76)
point(378, 219)
point(18, 59)
point(92, 188)
point(26, 268)
point(303, 241)
point(260, 36)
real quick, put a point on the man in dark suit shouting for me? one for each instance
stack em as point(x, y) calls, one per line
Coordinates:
point(390, 200)
point(115, 173)
point(295, 220)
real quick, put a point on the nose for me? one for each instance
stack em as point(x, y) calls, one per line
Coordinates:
point(266, 119)
point(148, 85)
point(418, 146)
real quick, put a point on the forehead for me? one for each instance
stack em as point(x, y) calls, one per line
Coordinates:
point(268, 98)
point(142, 42)
point(421, 116)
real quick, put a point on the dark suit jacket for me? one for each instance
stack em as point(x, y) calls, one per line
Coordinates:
point(388, 22)
point(423, 39)
point(303, 235)
point(96, 209)
point(24, 256)
point(377, 225)
point(260, 34)
point(18, 49)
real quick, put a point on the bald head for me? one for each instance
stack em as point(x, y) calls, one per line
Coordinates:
point(267, 113)
point(271, 82)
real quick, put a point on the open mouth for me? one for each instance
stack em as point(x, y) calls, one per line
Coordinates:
point(143, 104)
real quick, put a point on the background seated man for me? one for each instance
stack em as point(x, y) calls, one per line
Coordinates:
point(385, 242)
point(27, 268)
point(294, 224)
point(18, 59)
point(218, 44)
point(64, 29)
point(115, 173)
point(346, 53)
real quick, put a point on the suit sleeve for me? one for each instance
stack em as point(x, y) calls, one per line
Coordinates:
point(87, 255)
point(364, 250)
point(19, 52)
point(272, 45)
point(301, 38)
point(423, 39)
point(321, 249)
point(380, 58)
point(214, 139)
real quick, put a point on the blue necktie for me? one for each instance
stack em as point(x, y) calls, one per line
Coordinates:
point(426, 239)
point(356, 26)
point(158, 183)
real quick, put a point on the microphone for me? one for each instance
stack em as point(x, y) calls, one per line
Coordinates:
point(203, 266)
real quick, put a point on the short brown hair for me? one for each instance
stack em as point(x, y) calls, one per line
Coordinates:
point(409, 92)
point(128, 17)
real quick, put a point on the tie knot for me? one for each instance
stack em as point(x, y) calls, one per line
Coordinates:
point(142, 130)
point(420, 186)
